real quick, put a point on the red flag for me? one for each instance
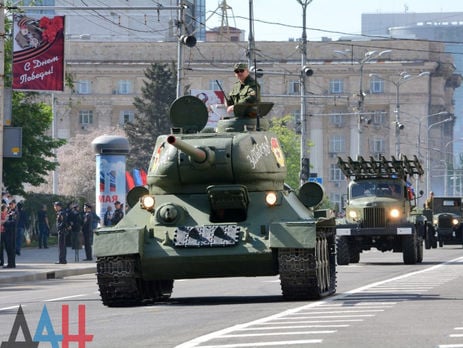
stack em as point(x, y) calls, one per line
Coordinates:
point(129, 180)
point(38, 53)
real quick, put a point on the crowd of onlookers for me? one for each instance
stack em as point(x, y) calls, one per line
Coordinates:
point(74, 228)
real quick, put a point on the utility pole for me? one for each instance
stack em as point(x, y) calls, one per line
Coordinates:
point(2, 82)
point(304, 72)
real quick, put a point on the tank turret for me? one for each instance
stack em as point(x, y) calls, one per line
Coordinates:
point(216, 205)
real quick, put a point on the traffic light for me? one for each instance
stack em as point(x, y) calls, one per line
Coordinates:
point(399, 125)
point(305, 169)
point(188, 40)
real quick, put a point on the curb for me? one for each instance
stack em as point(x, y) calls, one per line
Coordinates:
point(47, 274)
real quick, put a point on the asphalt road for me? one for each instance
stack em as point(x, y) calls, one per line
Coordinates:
point(379, 302)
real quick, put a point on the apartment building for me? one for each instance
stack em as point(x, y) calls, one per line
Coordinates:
point(415, 78)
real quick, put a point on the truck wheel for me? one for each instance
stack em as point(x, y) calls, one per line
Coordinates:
point(419, 250)
point(409, 249)
point(354, 257)
point(428, 237)
point(342, 255)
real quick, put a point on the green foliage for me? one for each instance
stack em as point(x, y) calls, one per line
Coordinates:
point(291, 145)
point(152, 119)
point(35, 119)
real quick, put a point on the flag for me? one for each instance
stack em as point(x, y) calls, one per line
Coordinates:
point(38, 53)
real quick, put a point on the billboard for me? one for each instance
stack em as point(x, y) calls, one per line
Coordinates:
point(214, 101)
point(38, 53)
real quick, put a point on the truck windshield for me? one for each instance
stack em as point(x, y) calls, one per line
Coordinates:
point(381, 189)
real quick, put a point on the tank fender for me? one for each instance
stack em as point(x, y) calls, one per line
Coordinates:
point(126, 241)
point(295, 234)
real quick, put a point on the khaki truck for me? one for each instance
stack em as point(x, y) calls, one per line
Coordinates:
point(380, 210)
point(446, 217)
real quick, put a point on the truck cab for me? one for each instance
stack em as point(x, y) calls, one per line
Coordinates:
point(380, 209)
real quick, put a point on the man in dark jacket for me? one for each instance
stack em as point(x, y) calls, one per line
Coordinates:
point(61, 227)
point(118, 213)
point(87, 230)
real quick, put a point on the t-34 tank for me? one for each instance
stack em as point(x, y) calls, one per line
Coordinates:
point(216, 206)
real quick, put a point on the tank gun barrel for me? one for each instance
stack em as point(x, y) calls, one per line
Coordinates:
point(198, 155)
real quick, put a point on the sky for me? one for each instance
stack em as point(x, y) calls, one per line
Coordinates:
point(327, 16)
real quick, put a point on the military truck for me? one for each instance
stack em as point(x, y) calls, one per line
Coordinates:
point(446, 218)
point(217, 205)
point(380, 209)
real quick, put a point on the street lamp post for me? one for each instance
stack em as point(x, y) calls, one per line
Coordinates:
point(303, 47)
point(403, 77)
point(368, 56)
point(446, 165)
point(428, 152)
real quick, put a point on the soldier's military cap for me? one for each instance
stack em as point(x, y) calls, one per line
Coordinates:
point(240, 66)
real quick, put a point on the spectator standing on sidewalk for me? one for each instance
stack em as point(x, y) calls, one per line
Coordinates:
point(10, 239)
point(3, 217)
point(61, 227)
point(21, 225)
point(44, 227)
point(108, 216)
point(75, 223)
point(118, 213)
point(87, 230)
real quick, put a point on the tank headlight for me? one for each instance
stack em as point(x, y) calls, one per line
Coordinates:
point(147, 202)
point(394, 213)
point(353, 214)
point(271, 198)
point(454, 222)
point(435, 221)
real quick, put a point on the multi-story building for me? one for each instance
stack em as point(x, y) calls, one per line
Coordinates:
point(109, 75)
point(446, 27)
point(366, 98)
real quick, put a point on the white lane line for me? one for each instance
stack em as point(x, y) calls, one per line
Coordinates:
point(64, 298)
point(320, 332)
point(265, 344)
point(348, 295)
point(294, 327)
point(8, 308)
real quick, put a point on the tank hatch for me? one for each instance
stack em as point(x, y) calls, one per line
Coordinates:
point(188, 114)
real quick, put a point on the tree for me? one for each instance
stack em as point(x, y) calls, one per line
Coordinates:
point(77, 168)
point(158, 93)
point(290, 144)
point(35, 119)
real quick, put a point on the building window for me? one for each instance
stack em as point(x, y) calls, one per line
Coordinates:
point(378, 118)
point(335, 173)
point(85, 117)
point(378, 145)
point(126, 116)
point(337, 120)
point(294, 87)
point(337, 144)
point(336, 86)
point(376, 85)
point(84, 87)
point(124, 87)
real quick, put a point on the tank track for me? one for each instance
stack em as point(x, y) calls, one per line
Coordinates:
point(120, 283)
point(309, 274)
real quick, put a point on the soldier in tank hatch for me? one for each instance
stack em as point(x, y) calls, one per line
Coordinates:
point(245, 90)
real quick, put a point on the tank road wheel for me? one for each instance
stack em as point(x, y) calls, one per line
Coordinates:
point(342, 246)
point(157, 290)
point(308, 273)
point(409, 249)
point(118, 279)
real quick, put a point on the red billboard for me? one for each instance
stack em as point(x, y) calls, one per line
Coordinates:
point(38, 53)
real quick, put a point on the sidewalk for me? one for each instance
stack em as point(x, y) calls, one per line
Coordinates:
point(39, 264)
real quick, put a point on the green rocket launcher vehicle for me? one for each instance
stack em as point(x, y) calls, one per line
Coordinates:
point(217, 205)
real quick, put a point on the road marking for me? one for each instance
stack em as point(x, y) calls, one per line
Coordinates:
point(366, 294)
point(64, 298)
